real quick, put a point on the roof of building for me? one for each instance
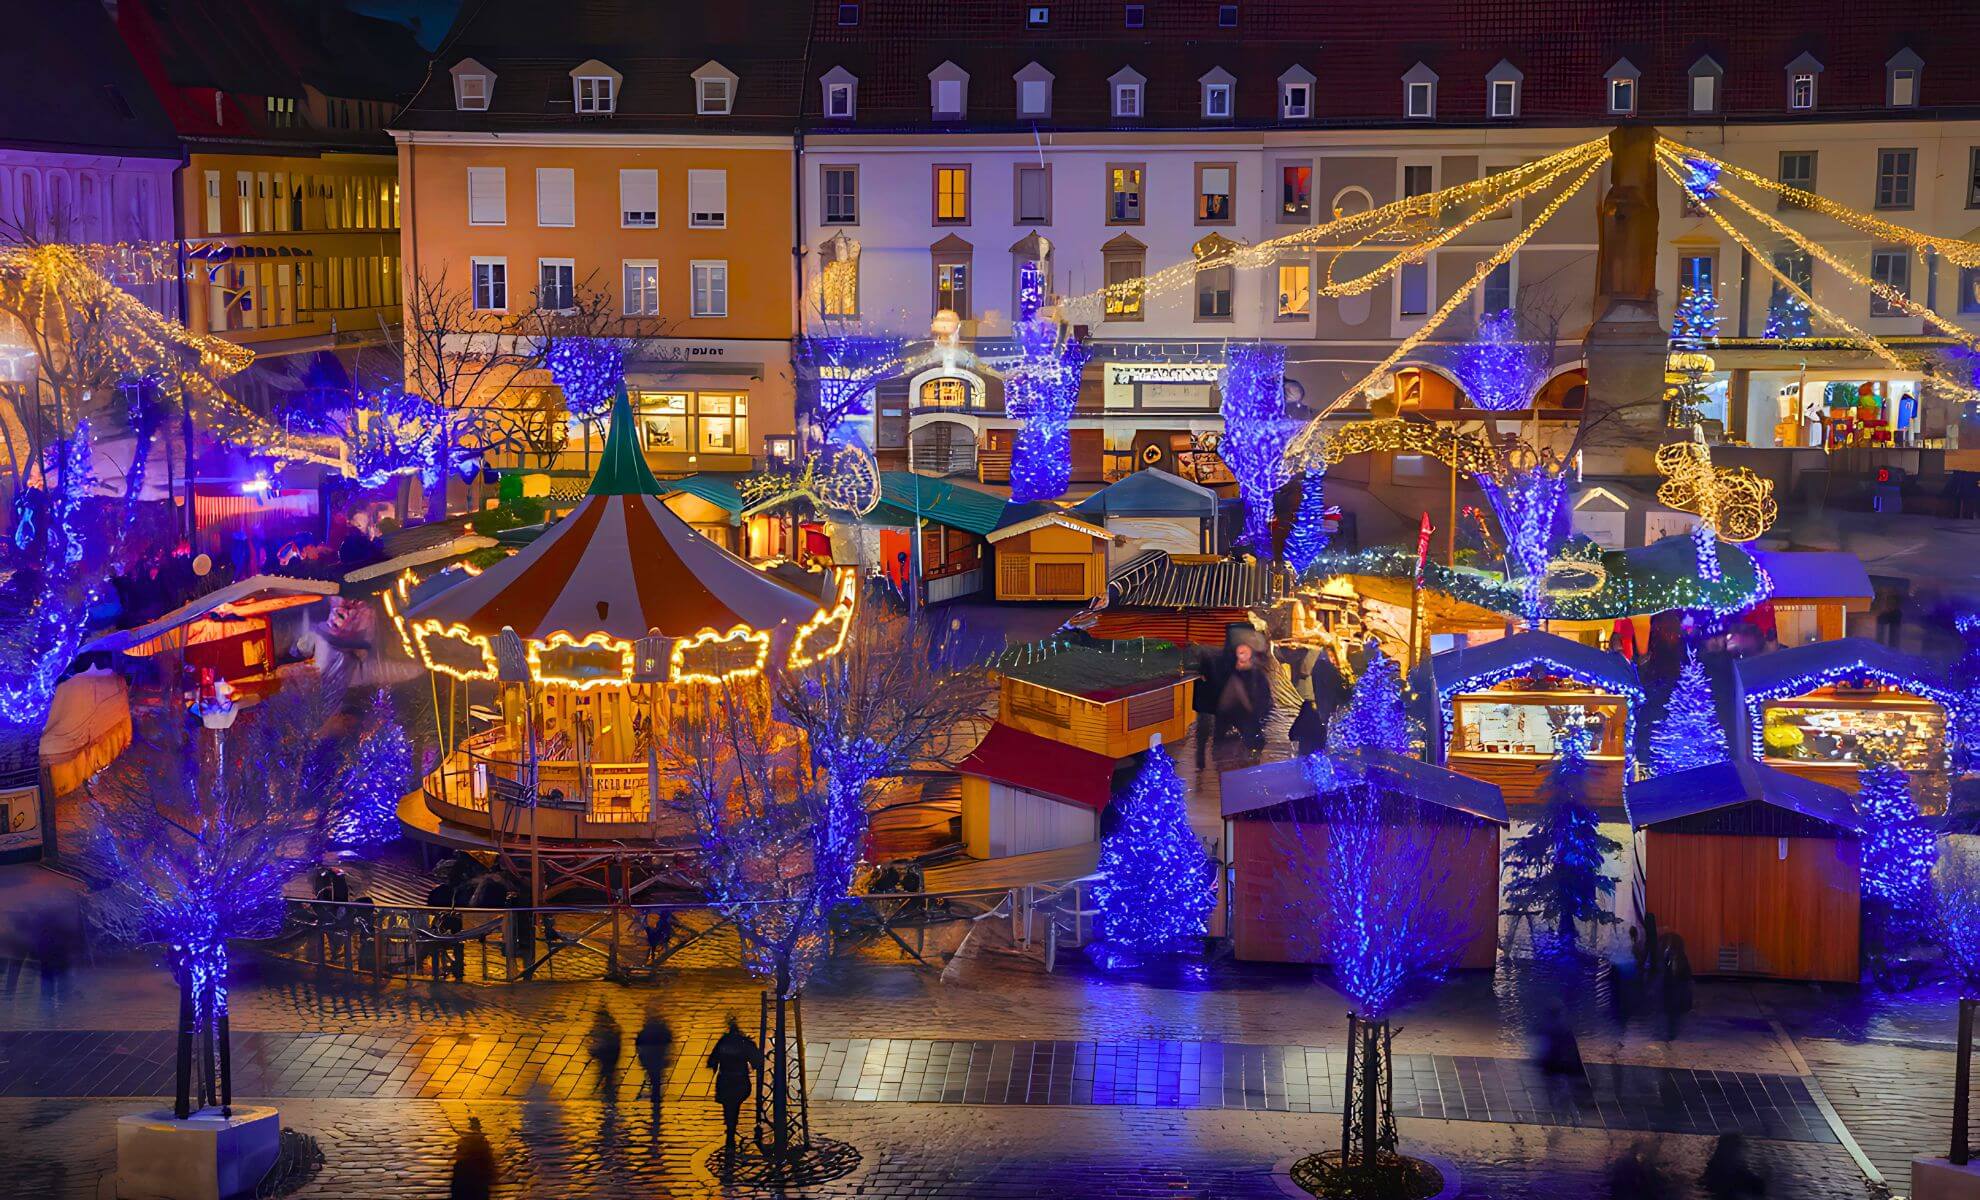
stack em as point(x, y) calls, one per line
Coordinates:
point(265, 591)
point(903, 494)
point(80, 90)
point(1357, 52)
point(1102, 672)
point(1041, 765)
point(1481, 666)
point(1795, 670)
point(1019, 518)
point(1738, 781)
point(1151, 492)
point(716, 487)
point(1156, 579)
point(1815, 574)
point(1267, 785)
point(656, 48)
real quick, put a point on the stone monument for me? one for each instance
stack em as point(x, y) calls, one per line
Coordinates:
point(1627, 345)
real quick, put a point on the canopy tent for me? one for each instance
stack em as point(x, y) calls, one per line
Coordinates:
point(89, 725)
point(619, 569)
point(1723, 785)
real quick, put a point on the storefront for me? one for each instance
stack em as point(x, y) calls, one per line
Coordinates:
point(1783, 402)
point(704, 405)
point(1824, 710)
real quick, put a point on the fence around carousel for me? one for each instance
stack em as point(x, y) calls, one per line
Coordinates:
point(625, 942)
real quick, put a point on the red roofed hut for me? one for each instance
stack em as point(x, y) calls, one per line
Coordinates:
point(1022, 793)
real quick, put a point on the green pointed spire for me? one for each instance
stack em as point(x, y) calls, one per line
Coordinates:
point(622, 469)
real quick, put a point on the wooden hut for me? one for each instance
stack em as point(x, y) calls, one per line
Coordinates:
point(1104, 700)
point(954, 520)
point(1187, 599)
point(1153, 510)
point(1815, 592)
point(1755, 868)
point(1821, 710)
point(1495, 710)
point(1022, 793)
point(1046, 553)
point(1276, 829)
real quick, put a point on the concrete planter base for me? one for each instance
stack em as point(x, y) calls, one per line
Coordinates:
point(205, 1157)
point(1937, 1179)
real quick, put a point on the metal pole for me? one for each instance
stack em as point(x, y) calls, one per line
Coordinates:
point(182, 1100)
point(1962, 1084)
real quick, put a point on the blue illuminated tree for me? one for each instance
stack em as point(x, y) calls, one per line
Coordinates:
point(1899, 850)
point(379, 775)
point(1787, 315)
point(1374, 717)
point(1555, 874)
point(193, 834)
point(1041, 391)
point(1255, 434)
point(1530, 502)
point(1963, 709)
point(588, 371)
point(1499, 368)
point(837, 371)
point(1309, 537)
point(1690, 734)
point(1157, 885)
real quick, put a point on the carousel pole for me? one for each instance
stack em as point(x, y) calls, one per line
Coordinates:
point(535, 857)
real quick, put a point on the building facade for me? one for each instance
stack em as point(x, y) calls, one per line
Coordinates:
point(635, 164)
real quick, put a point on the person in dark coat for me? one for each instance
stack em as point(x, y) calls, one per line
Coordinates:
point(1244, 703)
point(1203, 701)
point(650, 1046)
point(474, 1165)
point(1677, 985)
point(1330, 690)
point(735, 1057)
point(448, 957)
point(1729, 1175)
point(606, 1042)
point(1308, 732)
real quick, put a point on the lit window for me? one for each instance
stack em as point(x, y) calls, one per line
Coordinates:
point(945, 393)
point(723, 421)
point(1213, 194)
point(1296, 193)
point(594, 93)
point(1124, 195)
point(952, 288)
point(1125, 287)
point(663, 421)
point(710, 286)
point(1295, 289)
point(952, 195)
point(642, 288)
point(491, 284)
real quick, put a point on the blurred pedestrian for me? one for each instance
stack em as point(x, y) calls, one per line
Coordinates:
point(1637, 1175)
point(736, 1061)
point(1558, 1055)
point(1677, 985)
point(474, 1165)
point(1308, 732)
point(659, 926)
point(651, 1046)
point(1203, 701)
point(606, 1041)
point(1728, 1173)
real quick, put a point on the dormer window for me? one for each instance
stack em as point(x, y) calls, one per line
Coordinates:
point(1706, 75)
point(840, 91)
point(849, 14)
point(948, 92)
point(1034, 92)
point(1218, 86)
point(1134, 16)
point(594, 94)
point(1420, 93)
point(1502, 85)
point(474, 85)
point(1803, 75)
point(1622, 80)
point(1038, 16)
point(1901, 74)
point(1125, 86)
point(1296, 94)
point(1227, 16)
point(714, 90)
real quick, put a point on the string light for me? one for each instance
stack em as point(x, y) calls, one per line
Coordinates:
point(1041, 391)
point(1689, 735)
point(834, 622)
point(1733, 501)
point(847, 482)
point(750, 647)
point(573, 651)
point(587, 370)
point(1758, 696)
point(1541, 665)
point(1498, 369)
point(1156, 886)
point(1705, 552)
point(1467, 453)
point(1309, 537)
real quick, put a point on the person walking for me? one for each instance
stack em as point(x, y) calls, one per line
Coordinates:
point(474, 1165)
point(606, 1041)
point(651, 1046)
point(1203, 701)
point(736, 1061)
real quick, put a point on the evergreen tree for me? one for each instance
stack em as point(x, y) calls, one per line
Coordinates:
point(379, 775)
point(1963, 712)
point(1899, 852)
point(1555, 868)
point(1308, 539)
point(1374, 716)
point(1155, 891)
point(1690, 734)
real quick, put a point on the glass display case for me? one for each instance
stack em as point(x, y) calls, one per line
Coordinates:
point(1532, 723)
point(1849, 731)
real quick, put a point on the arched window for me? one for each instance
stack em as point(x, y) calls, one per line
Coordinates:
point(945, 392)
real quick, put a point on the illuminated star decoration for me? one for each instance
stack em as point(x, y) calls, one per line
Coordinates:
point(1042, 392)
point(1255, 434)
point(1736, 503)
point(1499, 370)
point(846, 482)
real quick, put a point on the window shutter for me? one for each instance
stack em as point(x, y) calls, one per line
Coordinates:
point(639, 197)
point(488, 202)
point(1216, 181)
point(708, 198)
point(556, 203)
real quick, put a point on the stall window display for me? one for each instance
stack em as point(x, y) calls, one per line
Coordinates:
point(1850, 733)
point(1525, 726)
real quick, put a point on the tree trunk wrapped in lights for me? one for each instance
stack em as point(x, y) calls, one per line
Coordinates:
point(1255, 434)
point(1530, 502)
point(1309, 537)
point(1041, 392)
point(836, 374)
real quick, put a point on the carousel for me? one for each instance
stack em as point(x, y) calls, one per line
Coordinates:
point(553, 669)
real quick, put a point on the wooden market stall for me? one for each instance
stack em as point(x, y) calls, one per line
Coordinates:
point(1106, 699)
point(1822, 710)
point(955, 521)
point(1022, 793)
point(1186, 599)
point(1755, 868)
point(229, 631)
point(1152, 509)
point(1815, 593)
point(1045, 553)
point(1496, 711)
point(1276, 830)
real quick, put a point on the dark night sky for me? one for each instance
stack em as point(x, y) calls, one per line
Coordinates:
point(434, 16)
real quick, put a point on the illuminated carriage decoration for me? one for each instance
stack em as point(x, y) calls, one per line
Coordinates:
point(591, 635)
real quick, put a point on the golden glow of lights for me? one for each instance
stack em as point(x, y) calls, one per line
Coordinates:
point(1461, 451)
point(849, 482)
point(424, 632)
point(718, 641)
point(834, 623)
point(559, 640)
point(1737, 504)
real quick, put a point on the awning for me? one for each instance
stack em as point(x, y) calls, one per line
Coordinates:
point(257, 595)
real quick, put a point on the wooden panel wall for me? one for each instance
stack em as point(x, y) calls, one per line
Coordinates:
point(1278, 911)
point(1794, 918)
point(1520, 779)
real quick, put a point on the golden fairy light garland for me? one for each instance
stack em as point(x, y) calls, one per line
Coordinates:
point(1305, 450)
point(1954, 250)
point(1463, 452)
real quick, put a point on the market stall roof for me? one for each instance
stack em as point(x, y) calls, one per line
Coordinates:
point(373, 576)
point(1815, 574)
point(89, 725)
point(622, 565)
point(1036, 514)
point(720, 489)
point(1738, 781)
point(903, 493)
point(256, 595)
point(1496, 661)
point(1267, 785)
point(1151, 492)
point(1041, 765)
point(1158, 579)
point(1119, 670)
point(1800, 669)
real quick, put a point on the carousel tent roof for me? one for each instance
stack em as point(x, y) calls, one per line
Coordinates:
point(620, 564)
point(1802, 668)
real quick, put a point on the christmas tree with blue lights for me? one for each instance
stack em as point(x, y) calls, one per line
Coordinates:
point(1155, 891)
point(1555, 875)
point(1899, 851)
point(380, 773)
point(1374, 716)
point(1690, 734)
point(1309, 537)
